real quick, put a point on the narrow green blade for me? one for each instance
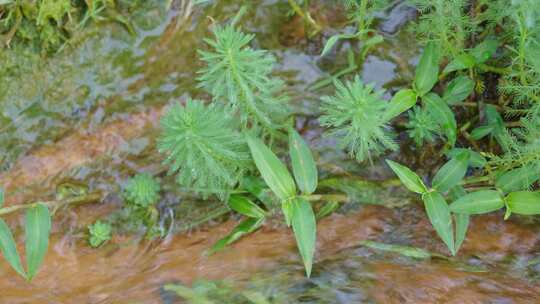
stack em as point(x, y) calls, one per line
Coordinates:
point(37, 230)
point(9, 248)
point(305, 231)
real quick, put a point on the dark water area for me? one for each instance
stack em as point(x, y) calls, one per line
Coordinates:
point(89, 117)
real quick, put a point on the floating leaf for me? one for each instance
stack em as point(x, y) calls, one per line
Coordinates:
point(524, 202)
point(273, 171)
point(303, 164)
point(407, 177)
point(427, 71)
point(478, 202)
point(245, 206)
point(400, 102)
point(517, 179)
point(451, 173)
point(443, 115)
point(458, 89)
point(247, 226)
point(440, 217)
point(37, 229)
point(9, 248)
point(305, 230)
point(461, 62)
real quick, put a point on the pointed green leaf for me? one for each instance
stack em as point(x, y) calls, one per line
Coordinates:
point(439, 216)
point(462, 225)
point(427, 71)
point(517, 179)
point(461, 62)
point(407, 177)
point(524, 202)
point(327, 209)
point(1, 197)
point(247, 226)
point(451, 173)
point(305, 230)
point(272, 170)
point(334, 39)
point(400, 102)
point(443, 115)
point(37, 230)
point(481, 132)
point(458, 89)
point(245, 206)
point(9, 248)
point(286, 208)
point(478, 202)
point(303, 164)
point(476, 160)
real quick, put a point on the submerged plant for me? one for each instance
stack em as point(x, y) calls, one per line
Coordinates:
point(100, 233)
point(142, 191)
point(203, 147)
point(357, 116)
point(422, 127)
point(239, 77)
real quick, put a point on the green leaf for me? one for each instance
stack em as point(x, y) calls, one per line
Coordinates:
point(458, 89)
point(1, 197)
point(440, 217)
point(427, 71)
point(272, 170)
point(451, 173)
point(478, 202)
point(476, 160)
point(400, 102)
point(244, 206)
point(303, 164)
point(484, 50)
point(9, 248)
point(370, 43)
point(247, 226)
point(517, 179)
point(412, 252)
point(461, 62)
point(286, 208)
point(524, 202)
point(443, 115)
point(37, 229)
point(334, 39)
point(407, 177)
point(327, 209)
point(305, 230)
point(462, 225)
point(481, 132)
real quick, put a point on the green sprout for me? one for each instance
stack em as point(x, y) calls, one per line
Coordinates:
point(100, 233)
point(142, 191)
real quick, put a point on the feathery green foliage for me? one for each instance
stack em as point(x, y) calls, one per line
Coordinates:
point(356, 115)
point(203, 147)
point(142, 190)
point(421, 126)
point(100, 232)
point(240, 77)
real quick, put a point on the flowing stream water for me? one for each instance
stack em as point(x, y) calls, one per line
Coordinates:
point(88, 117)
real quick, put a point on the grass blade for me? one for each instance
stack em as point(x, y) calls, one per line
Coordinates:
point(9, 248)
point(305, 231)
point(303, 164)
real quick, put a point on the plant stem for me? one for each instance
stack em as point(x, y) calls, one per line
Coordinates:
point(306, 16)
point(82, 199)
point(338, 198)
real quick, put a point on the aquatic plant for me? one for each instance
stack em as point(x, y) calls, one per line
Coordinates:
point(99, 233)
point(204, 147)
point(142, 191)
point(356, 116)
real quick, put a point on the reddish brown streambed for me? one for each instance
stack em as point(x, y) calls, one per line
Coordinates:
point(133, 273)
